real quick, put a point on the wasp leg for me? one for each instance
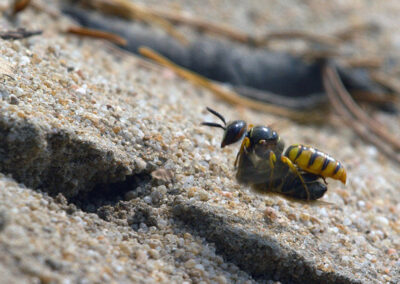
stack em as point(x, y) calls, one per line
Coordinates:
point(272, 161)
point(324, 179)
point(288, 162)
point(245, 143)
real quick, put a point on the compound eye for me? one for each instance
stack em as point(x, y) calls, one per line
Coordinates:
point(234, 132)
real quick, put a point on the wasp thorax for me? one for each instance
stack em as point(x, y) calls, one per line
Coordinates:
point(264, 140)
point(234, 132)
point(263, 133)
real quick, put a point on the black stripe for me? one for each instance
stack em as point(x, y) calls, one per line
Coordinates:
point(338, 166)
point(326, 163)
point(298, 153)
point(288, 149)
point(312, 158)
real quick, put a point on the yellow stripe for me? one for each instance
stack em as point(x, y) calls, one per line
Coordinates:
point(317, 165)
point(302, 161)
point(293, 153)
point(340, 175)
point(328, 172)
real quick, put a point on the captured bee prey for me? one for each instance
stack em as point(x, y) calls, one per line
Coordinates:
point(262, 163)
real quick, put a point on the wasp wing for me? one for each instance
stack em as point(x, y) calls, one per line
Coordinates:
point(278, 177)
point(252, 170)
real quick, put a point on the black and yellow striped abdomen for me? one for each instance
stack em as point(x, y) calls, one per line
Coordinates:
point(316, 162)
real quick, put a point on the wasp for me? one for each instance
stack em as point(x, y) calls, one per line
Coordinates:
point(262, 162)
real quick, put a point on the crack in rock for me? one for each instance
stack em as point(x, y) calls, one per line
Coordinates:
point(109, 195)
point(264, 257)
point(55, 161)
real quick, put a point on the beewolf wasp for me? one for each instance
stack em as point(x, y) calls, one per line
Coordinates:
point(261, 162)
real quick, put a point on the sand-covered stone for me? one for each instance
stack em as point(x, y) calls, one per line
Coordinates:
point(121, 138)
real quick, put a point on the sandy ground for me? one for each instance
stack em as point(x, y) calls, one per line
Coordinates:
point(79, 113)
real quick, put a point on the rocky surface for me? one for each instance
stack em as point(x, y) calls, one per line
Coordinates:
point(147, 195)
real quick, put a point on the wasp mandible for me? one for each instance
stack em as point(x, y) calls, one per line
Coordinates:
point(262, 163)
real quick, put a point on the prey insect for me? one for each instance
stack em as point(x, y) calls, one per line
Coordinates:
point(262, 162)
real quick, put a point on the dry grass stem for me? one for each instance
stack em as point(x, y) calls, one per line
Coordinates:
point(97, 34)
point(133, 11)
point(361, 127)
point(20, 5)
point(229, 95)
point(377, 128)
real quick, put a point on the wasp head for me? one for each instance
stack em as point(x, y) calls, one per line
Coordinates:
point(233, 131)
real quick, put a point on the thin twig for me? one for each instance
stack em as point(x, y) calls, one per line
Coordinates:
point(361, 130)
point(369, 62)
point(45, 8)
point(130, 10)
point(374, 98)
point(303, 103)
point(314, 55)
point(346, 116)
point(386, 80)
point(239, 36)
point(97, 34)
point(126, 55)
point(228, 95)
point(355, 29)
point(18, 34)
point(165, 19)
point(20, 5)
point(379, 129)
point(298, 34)
point(203, 25)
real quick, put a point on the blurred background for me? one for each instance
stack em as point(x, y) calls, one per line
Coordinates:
point(314, 62)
